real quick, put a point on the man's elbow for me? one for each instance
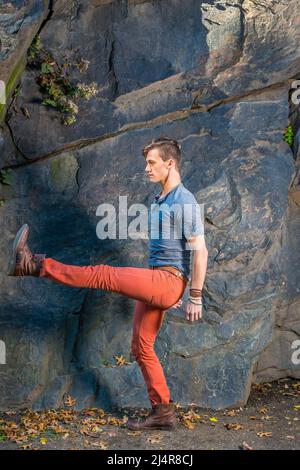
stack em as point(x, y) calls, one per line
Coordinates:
point(201, 251)
point(204, 251)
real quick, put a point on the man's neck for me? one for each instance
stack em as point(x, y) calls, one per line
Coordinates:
point(169, 186)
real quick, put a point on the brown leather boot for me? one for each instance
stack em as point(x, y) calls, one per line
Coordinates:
point(162, 417)
point(23, 262)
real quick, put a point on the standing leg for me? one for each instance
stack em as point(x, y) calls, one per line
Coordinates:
point(146, 324)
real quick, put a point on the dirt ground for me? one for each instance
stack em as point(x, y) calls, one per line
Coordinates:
point(270, 420)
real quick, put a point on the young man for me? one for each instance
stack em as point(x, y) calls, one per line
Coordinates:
point(156, 288)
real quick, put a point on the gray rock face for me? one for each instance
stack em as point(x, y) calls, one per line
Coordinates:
point(19, 22)
point(216, 76)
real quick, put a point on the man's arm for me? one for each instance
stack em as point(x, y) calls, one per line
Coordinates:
point(199, 261)
point(199, 266)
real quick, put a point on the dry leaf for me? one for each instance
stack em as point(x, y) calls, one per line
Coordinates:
point(266, 418)
point(191, 416)
point(264, 434)
point(154, 439)
point(120, 360)
point(263, 410)
point(234, 426)
point(26, 446)
point(230, 413)
point(188, 424)
point(246, 446)
point(102, 444)
point(69, 401)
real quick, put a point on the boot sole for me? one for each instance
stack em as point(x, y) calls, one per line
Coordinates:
point(12, 262)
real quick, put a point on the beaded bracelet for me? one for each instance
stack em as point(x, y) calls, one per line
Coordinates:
point(195, 298)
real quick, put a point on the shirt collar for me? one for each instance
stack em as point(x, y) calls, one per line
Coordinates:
point(161, 198)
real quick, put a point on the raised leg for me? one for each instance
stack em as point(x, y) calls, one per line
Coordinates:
point(156, 287)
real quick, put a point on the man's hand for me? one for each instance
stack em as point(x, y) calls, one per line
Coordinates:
point(193, 312)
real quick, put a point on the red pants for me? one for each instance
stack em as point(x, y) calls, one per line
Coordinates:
point(154, 290)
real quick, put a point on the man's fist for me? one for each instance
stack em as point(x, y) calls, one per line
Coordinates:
point(193, 312)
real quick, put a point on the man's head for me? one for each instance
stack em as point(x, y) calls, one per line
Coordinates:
point(163, 158)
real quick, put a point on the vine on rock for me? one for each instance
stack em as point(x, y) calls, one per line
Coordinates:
point(55, 80)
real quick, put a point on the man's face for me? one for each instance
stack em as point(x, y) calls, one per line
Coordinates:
point(156, 168)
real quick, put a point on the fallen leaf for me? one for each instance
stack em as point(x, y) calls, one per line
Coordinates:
point(154, 439)
point(266, 417)
point(263, 410)
point(246, 446)
point(188, 424)
point(69, 401)
point(230, 413)
point(234, 426)
point(102, 444)
point(264, 434)
point(121, 361)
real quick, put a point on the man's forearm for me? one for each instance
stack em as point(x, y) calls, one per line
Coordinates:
point(199, 267)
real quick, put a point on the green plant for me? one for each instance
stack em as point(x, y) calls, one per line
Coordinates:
point(2, 201)
point(50, 434)
point(56, 83)
point(288, 135)
point(34, 47)
point(6, 177)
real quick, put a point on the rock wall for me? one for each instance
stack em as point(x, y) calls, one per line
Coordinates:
point(216, 76)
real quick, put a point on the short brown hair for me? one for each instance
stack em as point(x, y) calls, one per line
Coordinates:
point(168, 148)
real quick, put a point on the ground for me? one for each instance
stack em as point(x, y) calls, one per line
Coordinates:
point(269, 420)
